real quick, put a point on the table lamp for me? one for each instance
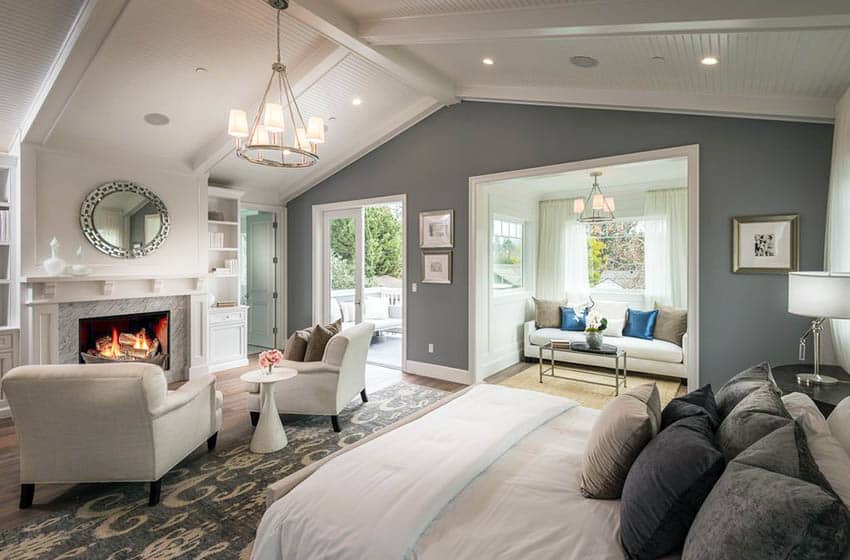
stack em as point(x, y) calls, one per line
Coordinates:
point(822, 296)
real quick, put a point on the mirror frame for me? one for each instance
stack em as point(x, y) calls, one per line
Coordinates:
point(96, 196)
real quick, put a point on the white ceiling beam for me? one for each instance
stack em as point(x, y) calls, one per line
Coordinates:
point(587, 19)
point(804, 109)
point(89, 31)
point(322, 16)
point(356, 149)
point(303, 76)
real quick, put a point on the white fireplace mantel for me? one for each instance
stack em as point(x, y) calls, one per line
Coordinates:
point(43, 296)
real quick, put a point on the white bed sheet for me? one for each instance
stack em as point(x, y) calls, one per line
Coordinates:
point(527, 505)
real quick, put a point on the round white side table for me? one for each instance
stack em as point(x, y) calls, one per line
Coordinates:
point(269, 435)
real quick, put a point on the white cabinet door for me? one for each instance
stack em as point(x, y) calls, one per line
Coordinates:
point(228, 343)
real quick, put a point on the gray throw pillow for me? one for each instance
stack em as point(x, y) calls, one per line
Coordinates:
point(620, 433)
point(758, 414)
point(547, 313)
point(296, 346)
point(771, 502)
point(671, 324)
point(742, 385)
point(319, 338)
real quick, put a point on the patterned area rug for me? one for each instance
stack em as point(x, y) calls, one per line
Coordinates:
point(211, 503)
point(593, 396)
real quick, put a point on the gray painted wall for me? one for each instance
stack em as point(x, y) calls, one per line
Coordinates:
point(746, 167)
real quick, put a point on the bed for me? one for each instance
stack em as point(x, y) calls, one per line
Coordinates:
point(493, 472)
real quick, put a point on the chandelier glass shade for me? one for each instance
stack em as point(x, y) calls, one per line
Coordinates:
point(278, 135)
point(595, 208)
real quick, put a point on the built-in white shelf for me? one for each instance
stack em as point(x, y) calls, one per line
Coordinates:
point(222, 223)
point(231, 249)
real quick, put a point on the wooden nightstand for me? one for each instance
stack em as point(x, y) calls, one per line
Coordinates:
point(825, 396)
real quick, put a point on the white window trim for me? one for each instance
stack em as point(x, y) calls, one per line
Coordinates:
point(519, 290)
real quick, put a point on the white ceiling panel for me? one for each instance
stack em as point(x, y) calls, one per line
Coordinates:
point(377, 9)
point(348, 125)
point(147, 65)
point(789, 63)
point(31, 35)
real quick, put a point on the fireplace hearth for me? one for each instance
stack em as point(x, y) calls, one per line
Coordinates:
point(135, 337)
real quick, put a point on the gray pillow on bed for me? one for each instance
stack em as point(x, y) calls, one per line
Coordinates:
point(758, 414)
point(771, 502)
point(742, 385)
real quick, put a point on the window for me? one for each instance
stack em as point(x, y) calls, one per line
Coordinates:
point(615, 256)
point(507, 254)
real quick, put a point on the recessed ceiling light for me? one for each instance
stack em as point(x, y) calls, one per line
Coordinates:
point(658, 59)
point(584, 61)
point(709, 61)
point(157, 119)
point(200, 69)
point(357, 102)
point(488, 61)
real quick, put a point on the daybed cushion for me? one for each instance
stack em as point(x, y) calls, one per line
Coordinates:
point(758, 414)
point(657, 350)
point(671, 324)
point(626, 425)
point(640, 324)
point(781, 507)
point(742, 385)
point(696, 403)
point(573, 319)
point(666, 486)
point(615, 312)
point(296, 347)
point(547, 312)
point(319, 338)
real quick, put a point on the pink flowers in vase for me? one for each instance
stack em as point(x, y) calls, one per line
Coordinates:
point(270, 358)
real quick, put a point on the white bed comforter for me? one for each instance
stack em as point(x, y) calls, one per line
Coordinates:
point(375, 501)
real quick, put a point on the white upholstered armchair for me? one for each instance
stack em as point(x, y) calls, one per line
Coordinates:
point(106, 423)
point(326, 387)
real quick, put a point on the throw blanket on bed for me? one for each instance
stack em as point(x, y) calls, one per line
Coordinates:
point(375, 501)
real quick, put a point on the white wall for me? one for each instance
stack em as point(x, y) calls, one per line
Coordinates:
point(56, 183)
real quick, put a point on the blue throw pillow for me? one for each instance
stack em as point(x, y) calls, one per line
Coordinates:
point(570, 321)
point(640, 324)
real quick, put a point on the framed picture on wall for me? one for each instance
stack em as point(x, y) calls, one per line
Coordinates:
point(436, 229)
point(437, 267)
point(766, 244)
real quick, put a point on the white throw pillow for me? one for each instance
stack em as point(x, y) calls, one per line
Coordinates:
point(830, 456)
point(615, 312)
point(377, 309)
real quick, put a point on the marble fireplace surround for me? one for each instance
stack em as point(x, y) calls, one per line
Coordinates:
point(71, 313)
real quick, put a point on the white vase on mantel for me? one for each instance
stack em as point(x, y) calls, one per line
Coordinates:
point(54, 266)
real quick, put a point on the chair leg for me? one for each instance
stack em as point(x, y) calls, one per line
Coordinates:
point(335, 423)
point(27, 494)
point(156, 489)
point(255, 418)
point(213, 439)
point(363, 396)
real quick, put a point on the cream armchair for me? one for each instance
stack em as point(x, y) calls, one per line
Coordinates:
point(106, 423)
point(326, 387)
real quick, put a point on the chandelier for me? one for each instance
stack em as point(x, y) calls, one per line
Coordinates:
point(278, 136)
point(596, 207)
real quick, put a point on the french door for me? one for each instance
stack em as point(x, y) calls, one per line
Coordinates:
point(343, 253)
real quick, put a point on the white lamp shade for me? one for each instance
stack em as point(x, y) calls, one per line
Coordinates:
point(273, 117)
point(819, 294)
point(578, 206)
point(609, 202)
point(598, 202)
point(237, 123)
point(301, 139)
point(261, 135)
point(316, 130)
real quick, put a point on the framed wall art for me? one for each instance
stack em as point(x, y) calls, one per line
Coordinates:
point(437, 267)
point(766, 244)
point(436, 229)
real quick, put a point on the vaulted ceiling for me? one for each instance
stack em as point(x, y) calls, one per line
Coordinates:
point(79, 75)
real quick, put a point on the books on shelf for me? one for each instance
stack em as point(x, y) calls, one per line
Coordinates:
point(216, 239)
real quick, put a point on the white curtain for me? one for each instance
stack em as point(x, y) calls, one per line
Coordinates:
point(666, 247)
point(838, 220)
point(561, 253)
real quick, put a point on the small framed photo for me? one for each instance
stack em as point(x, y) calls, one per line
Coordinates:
point(436, 229)
point(766, 244)
point(437, 267)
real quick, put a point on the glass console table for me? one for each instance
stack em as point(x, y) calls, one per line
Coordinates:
point(609, 350)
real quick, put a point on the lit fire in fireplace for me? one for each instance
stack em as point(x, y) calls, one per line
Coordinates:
point(126, 346)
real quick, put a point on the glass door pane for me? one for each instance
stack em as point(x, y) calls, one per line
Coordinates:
point(344, 266)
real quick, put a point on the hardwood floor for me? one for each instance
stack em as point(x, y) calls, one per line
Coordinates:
point(236, 427)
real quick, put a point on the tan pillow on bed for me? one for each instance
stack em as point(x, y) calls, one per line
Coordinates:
point(624, 427)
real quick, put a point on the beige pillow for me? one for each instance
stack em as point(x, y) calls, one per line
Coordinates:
point(318, 340)
point(624, 427)
point(296, 346)
point(671, 324)
point(547, 313)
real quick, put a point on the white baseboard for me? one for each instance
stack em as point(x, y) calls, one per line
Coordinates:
point(439, 372)
point(500, 362)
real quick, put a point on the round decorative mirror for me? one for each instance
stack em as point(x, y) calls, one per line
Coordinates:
point(124, 220)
